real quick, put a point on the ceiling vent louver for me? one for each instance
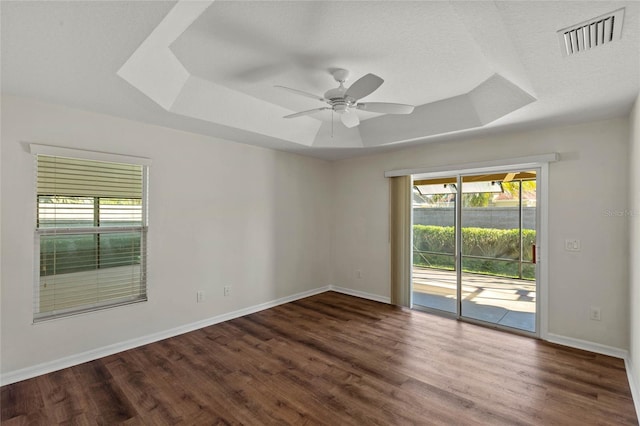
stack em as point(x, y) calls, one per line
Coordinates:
point(592, 33)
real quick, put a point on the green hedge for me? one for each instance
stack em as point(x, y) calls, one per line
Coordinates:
point(63, 254)
point(485, 242)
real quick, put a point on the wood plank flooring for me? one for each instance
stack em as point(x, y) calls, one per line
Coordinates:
point(332, 359)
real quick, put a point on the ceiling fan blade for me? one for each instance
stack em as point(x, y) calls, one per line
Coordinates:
point(386, 107)
point(308, 112)
point(350, 119)
point(364, 86)
point(300, 92)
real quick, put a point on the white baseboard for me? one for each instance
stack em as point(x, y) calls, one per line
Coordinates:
point(587, 346)
point(69, 361)
point(628, 365)
point(361, 294)
point(604, 350)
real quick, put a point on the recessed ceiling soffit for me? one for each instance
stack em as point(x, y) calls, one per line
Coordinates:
point(156, 71)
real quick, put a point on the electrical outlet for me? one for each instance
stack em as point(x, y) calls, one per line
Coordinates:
point(595, 314)
point(572, 245)
point(200, 296)
point(227, 290)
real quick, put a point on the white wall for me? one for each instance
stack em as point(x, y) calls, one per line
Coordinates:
point(634, 253)
point(588, 187)
point(221, 214)
point(230, 214)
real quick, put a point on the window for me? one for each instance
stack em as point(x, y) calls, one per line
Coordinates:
point(91, 235)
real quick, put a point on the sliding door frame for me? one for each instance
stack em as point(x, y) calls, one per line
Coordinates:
point(541, 164)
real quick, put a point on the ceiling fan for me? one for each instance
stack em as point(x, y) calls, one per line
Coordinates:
point(344, 101)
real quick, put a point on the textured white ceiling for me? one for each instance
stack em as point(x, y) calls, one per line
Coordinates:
point(427, 52)
point(252, 46)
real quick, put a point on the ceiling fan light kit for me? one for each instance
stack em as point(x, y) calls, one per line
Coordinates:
point(344, 101)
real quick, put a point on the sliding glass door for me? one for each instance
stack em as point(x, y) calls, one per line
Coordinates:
point(474, 247)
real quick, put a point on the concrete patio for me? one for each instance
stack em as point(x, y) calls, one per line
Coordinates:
point(505, 301)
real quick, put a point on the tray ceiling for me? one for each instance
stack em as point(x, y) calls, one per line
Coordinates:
point(210, 67)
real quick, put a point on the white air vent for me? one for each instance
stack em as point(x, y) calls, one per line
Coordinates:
point(592, 33)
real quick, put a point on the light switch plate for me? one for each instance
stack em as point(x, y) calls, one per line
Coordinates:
point(572, 245)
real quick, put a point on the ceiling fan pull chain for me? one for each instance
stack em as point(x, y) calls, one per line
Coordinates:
point(332, 123)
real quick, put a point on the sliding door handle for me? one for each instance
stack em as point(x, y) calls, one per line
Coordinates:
point(533, 253)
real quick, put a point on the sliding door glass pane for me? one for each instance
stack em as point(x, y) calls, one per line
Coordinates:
point(498, 232)
point(434, 244)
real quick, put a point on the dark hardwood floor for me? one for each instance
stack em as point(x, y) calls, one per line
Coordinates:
point(337, 360)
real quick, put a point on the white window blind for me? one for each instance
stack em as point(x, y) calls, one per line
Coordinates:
point(90, 235)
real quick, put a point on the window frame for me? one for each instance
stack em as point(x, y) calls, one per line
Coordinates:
point(37, 150)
